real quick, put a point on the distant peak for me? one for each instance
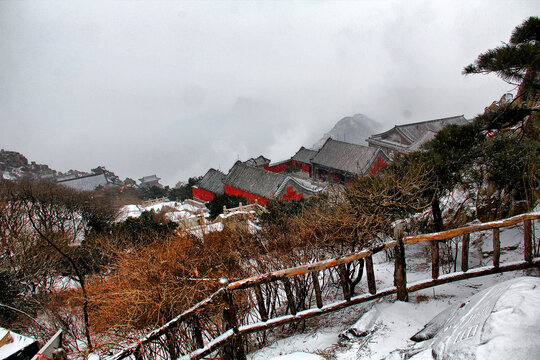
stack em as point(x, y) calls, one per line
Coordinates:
point(352, 129)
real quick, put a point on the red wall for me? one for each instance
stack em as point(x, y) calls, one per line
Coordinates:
point(379, 164)
point(278, 168)
point(305, 167)
point(202, 194)
point(251, 197)
point(291, 194)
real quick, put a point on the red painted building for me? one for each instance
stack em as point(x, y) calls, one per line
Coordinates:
point(209, 186)
point(301, 161)
point(258, 184)
point(340, 162)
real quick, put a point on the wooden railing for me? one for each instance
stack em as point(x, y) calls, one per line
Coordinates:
point(154, 201)
point(249, 207)
point(223, 322)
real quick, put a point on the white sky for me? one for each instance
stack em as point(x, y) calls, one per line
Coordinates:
point(177, 87)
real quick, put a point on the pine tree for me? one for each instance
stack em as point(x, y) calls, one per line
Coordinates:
point(517, 62)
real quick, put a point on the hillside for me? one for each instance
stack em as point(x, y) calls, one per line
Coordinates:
point(353, 129)
point(14, 165)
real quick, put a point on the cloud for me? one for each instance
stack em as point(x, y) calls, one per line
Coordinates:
point(174, 88)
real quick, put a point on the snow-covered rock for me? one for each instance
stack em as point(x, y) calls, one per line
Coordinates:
point(501, 322)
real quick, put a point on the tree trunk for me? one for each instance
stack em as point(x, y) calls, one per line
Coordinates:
point(437, 215)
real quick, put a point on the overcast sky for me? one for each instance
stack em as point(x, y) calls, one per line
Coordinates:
point(176, 87)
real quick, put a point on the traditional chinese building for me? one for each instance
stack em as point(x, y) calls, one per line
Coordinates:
point(209, 186)
point(149, 181)
point(301, 161)
point(340, 162)
point(403, 139)
point(259, 185)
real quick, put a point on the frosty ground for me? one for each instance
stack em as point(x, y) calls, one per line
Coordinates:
point(382, 329)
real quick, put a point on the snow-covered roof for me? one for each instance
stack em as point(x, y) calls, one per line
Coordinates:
point(304, 155)
point(254, 180)
point(212, 181)
point(262, 182)
point(351, 158)
point(413, 134)
point(87, 183)
point(258, 161)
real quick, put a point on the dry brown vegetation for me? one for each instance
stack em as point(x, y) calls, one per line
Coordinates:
point(139, 274)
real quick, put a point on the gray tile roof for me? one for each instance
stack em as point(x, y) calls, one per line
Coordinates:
point(430, 135)
point(212, 181)
point(304, 155)
point(254, 180)
point(256, 162)
point(414, 132)
point(86, 183)
point(351, 158)
point(149, 178)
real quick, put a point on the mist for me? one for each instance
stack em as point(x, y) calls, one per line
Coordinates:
point(175, 87)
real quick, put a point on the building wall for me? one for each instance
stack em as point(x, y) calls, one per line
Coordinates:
point(278, 168)
point(332, 175)
point(251, 197)
point(291, 194)
point(377, 165)
point(202, 194)
point(303, 166)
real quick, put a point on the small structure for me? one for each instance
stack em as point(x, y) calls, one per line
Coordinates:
point(301, 160)
point(209, 186)
point(87, 182)
point(340, 162)
point(260, 161)
point(258, 184)
point(403, 139)
point(149, 181)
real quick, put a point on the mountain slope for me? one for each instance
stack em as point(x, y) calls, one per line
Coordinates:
point(352, 129)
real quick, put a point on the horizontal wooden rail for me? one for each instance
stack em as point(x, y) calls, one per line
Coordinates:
point(304, 269)
point(301, 315)
point(448, 234)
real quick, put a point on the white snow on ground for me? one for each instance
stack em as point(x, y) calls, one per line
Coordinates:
point(298, 356)
point(388, 325)
point(178, 211)
point(299, 344)
point(192, 219)
point(512, 331)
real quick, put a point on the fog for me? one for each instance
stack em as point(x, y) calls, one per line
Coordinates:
point(175, 87)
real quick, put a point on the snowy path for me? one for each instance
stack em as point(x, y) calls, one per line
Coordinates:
point(394, 322)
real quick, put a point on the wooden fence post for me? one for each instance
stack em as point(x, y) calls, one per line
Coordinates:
point(465, 252)
point(171, 348)
point(197, 332)
point(290, 297)
point(496, 247)
point(260, 302)
point(434, 259)
point(234, 350)
point(317, 288)
point(370, 276)
point(527, 235)
point(138, 352)
point(344, 277)
point(400, 274)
